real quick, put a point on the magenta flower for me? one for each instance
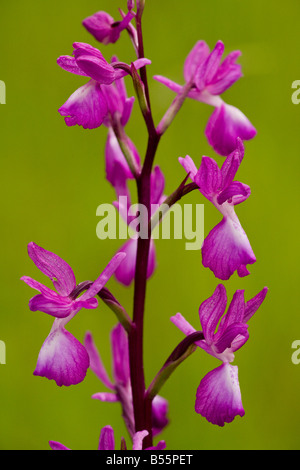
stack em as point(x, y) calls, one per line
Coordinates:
point(218, 397)
point(104, 28)
point(125, 273)
point(120, 387)
point(62, 357)
point(87, 106)
point(209, 78)
point(107, 441)
point(226, 249)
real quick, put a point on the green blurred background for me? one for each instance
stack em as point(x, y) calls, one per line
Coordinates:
point(52, 180)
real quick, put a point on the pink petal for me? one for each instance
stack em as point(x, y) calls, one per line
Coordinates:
point(189, 166)
point(69, 64)
point(106, 396)
point(54, 267)
point(138, 440)
point(96, 363)
point(210, 312)
point(225, 125)
point(126, 271)
point(62, 358)
point(120, 354)
point(41, 288)
point(57, 446)
point(253, 304)
point(104, 276)
point(208, 177)
point(218, 397)
point(107, 439)
point(57, 308)
point(195, 59)
point(96, 68)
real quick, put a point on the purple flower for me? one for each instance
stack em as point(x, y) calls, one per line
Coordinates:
point(125, 273)
point(120, 387)
point(209, 78)
point(226, 248)
point(62, 357)
point(107, 441)
point(218, 397)
point(104, 28)
point(87, 106)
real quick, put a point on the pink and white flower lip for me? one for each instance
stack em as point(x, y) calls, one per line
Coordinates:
point(210, 78)
point(218, 396)
point(62, 357)
point(226, 249)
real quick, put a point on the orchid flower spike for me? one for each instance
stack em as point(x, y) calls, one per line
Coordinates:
point(62, 357)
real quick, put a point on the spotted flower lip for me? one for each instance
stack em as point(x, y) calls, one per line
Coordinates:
point(62, 357)
point(218, 396)
point(209, 78)
point(226, 249)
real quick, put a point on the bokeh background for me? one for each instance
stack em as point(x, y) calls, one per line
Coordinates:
point(53, 179)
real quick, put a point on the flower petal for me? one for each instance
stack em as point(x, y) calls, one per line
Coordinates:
point(96, 364)
point(62, 358)
point(60, 273)
point(225, 125)
point(210, 312)
point(235, 193)
point(138, 440)
point(57, 446)
point(160, 420)
point(234, 337)
point(106, 396)
point(69, 64)
point(253, 304)
point(86, 107)
point(41, 288)
point(226, 249)
point(100, 26)
point(218, 397)
point(104, 276)
point(189, 166)
point(120, 354)
point(208, 177)
point(57, 308)
point(107, 439)
point(195, 59)
point(206, 73)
